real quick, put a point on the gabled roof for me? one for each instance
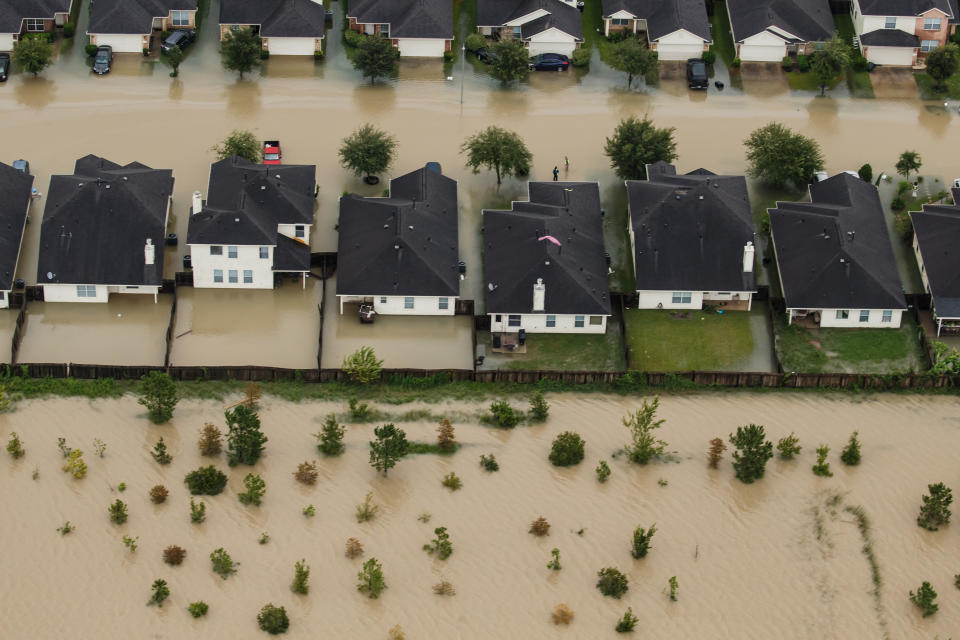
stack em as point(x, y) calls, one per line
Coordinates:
point(15, 189)
point(277, 18)
point(889, 38)
point(560, 15)
point(907, 7)
point(246, 202)
point(937, 229)
point(407, 18)
point(665, 16)
point(563, 18)
point(132, 16)
point(403, 245)
point(834, 252)
point(517, 251)
point(690, 230)
point(808, 20)
point(97, 221)
point(14, 12)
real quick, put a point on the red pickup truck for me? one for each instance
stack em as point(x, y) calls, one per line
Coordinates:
point(271, 152)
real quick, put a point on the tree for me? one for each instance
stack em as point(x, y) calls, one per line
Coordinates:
point(717, 447)
point(160, 593)
point(367, 152)
point(567, 449)
point(158, 393)
point(330, 437)
point(830, 61)
point(273, 619)
point(866, 173)
point(446, 437)
point(644, 445)
point(539, 409)
point(256, 487)
point(935, 510)
point(822, 468)
point(391, 445)
point(909, 161)
point(370, 579)
point(498, 149)
point(789, 446)
point(301, 577)
point(924, 599)
point(850, 455)
point(641, 541)
point(174, 56)
point(33, 53)
point(511, 61)
point(376, 57)
point(240, 51)
point(362, 366)
point(239, 143)
point(160, 454)
point(205, 481)
point(244, 439)
point(752, 452)
point(211, 440)
point(633, 58)
point(777, 155)
point(942, 63)
point(612, 582)
point(637, 143)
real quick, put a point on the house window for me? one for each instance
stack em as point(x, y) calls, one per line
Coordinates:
point(3, 294)
point(216, 250)
point(234, 28)
point(218, 275)
point(498, 318)
point(383, 299)
point(180, 18)
point(928, 45)
point(86, 291)
point(619, 22)
point(551, 321)
point(408, 302)
point(843, 314)
point(264, 252)
point(300, 231)
point(931, 24)
point(133, 286)
point(596, 320)
point(864, 315)
point(516, 32)
point(578, 321)
point(35, 25)
point(887, 316)
point(231, 252)
point(890, 23)
point(232, 275)
point(385, 30)
point(513, 321)
point(247, 276)
point(444, 303)
point(682, 297)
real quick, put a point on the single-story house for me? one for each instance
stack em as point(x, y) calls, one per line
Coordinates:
point(544, 26)
point(936, 244)
point(15, 195)
point(769, 30)
point(834, 257)
point(691, 237)
point(22, 17)
point(544, 262)
point(255, 224)
point(418, 28)
point(675, 29)
point(901, 32)
point(285, 27)
point(103, 231)
point(126, 25)
point(400, 253)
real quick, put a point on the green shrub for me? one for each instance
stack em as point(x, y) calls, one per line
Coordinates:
point(903, 186)
point(198, 512)
point(787, 63)
point(580, 58)
point(644, 446)
point(273, 619)
point(503, 415)
point(674, 586)
point(850, 455)
point(822, 468)
point(68, 30)
point(198, 609)
point(362, 366)
point(75, 465)
point(539, 409)
point(935, 510)
point(567, 449)
point(627, 622)
point(752, 452)
point(489, 463)
point(160, 454)
point(612, 583)
point(641, 541)
point(118, 512)
point(866, 173)
point(301, 577)
point(222, 564)
point(255, 488)
point(160, 593)
point(603, 471)
point(359, 411)
point(448, 56)
point(158, 393)
point(924, 599)
point(475, 41)
point(440, 545)
point(15, 447)
point(367, 510)
point(788, 446)
point(353, 38)
point(318, 55)
point(736, 63)
point(803, 64)
point(554, 564)
point(245, 441)
point(206, 481)
point(264, 54)
point(90, 50)
point(370, 579)
point(451, 481)
point(330, 437)
point(897, 204)
point(709, 56)
point(859, 63)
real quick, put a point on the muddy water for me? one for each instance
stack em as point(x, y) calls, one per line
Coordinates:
point(749, 559)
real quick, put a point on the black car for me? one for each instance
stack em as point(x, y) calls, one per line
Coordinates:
point(179, 38)
point(549, 62)
point(102, 60)
point(488, 56)
point(4, 66)
point(697, 74)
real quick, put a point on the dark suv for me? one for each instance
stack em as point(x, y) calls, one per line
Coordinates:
point(102, 60)
point(697, 74)
point(179, 38)
point(549, 62)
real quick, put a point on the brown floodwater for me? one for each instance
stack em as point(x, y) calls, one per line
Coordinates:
point(751, 560)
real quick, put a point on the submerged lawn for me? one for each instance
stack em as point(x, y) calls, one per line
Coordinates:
point(566, 352)
point(701, 341)
point(722, 38)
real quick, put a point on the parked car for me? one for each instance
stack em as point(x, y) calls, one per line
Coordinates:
point(549, 62)
point(102, 60)
point(21, 165)
point(271, 152)
point(4, 66)
point(486, 55)
point(179, 38)
point(697, 74)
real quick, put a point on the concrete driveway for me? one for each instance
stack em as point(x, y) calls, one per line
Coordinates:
point(893, 82)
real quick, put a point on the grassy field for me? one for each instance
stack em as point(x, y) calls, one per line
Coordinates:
point(928, 91)
point(566, 352)
point(722, 38)
point(464, 23)
point(858, 81)
point(849, 350)
point(808, 81)
point(701, 341)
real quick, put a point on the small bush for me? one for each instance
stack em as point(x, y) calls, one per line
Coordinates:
point(715, 453)
point(353, 38)
point(309, 511)
point(736, 63)
point(130, 543)
point(264, 538)
point(330, 438)
point(850, 455)
point(122, 487)
point(64, 449)
point(539, 408)
point(540, 527)
point(787, 63)
point(752, 452)
point(580, 58)
point(603, 471)
point(924, 599)
point(503, 415)
point(198, 609)
point(255, 488)
point(860, 64)
point(612, 583)
point(211, 440)
point(562, 614)
point(627, 622)
point(359, 411)
point(66, 528)
point(264, 54)
point(160, 593)
point(866, 172)
point(475, 41)
point(90, 50)
point(567, 449)
point(15, 447)
point(803, 63)
point(208, 481)
point(641, 541)
point(444, 588)
point(554, 564)
point(75, 465)
point(440, 545)
point(198, 512)
point(158, 393)
point(222, 564)
point(489, 463)
point(673, 586)
point(446, 439)
point(318, 55)
point(353, 548)
point(273, 619)
point(448, 56)
point(306, 473)
point(99, 447)
point(370, 579)
point(301, 578)
point(935, 510)
point(362, 366)
point(160, 454)
point(451, 481)
point(158, 494)
point(367, 510)
point(174, 555)
point(789, 446)
point(245, 440)
point(897, 204)
point(822, 468)
point(709, 56)
point(118, 512)
point(644, 446)
point(68, 30)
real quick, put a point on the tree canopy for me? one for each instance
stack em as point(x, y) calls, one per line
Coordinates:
point(497, 149)
point(511, 61)
point(240, 51)
point(777, 155)
point(909, 161)
point(375, 58)
point(239, 143)
point(637, 143)
point(830, 61)
point(33, 53)
point(367, 151)
point(942, 63)
point(174, 56)
point(633, 58)
point(391, 445)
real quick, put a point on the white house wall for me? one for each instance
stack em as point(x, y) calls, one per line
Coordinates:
point(762, 47)
point(395, 305)
point(828, 318)
point(873, 23)
point(290, 230)
point(537, 323)
point(664, 300)
point(5, 299)
point(121, 42)
point(552, 41)
point(421, 47)
point(292, 46)
point(890, 56)
point(679, 45)
point(248, 258)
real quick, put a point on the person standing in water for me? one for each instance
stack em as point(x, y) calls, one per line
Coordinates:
point(556, 174)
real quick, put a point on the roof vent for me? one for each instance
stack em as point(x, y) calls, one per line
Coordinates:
point(124, 178)
point(236, 219)
point(700, 197)
point(106, 186)
point(410, 227)
point(263, 187)
point(49, 275)
point(396, 247)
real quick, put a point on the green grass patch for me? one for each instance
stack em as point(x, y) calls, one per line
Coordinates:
point(203, 10)
point(663, 340)
point(929, 91)
point(858, 81)
point(464, 23)
point(808, 81)
point(422, 448)
point(566, 352)
point(722, 38)
point(616, 240)
point(591, 21)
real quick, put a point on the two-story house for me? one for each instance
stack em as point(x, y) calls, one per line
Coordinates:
point(769, 30)
point(23, 17)
point(936, 246)
point(418, 28)
point(254, 225)
point(15, 195)
point(901, 32)
point(544, 262)
point(544, 26)
point(126, 25)
point(675, 29)
point(103, 231)
point(285, 27)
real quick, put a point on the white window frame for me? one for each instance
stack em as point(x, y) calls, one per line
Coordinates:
point(383, 299)
point(596, 321)
point(619, 22)
point(888, 20)
point(444, 304)
point(682, 297)
point(86, 291)
point(843, 314)
point(886, 316)
point(232, 253)
point(928, 45)
point(233, 276)
point(180, 18)
point(517, 32)
point(864, 315)
point(300, 231)
point(248, 276)
point(35, 25)
point(514, 320)
point(216, 250)
point(218, 276)
point(929, 22)
point(578, 321)
point(551, 321)
point(408, 302)
point(264, 253)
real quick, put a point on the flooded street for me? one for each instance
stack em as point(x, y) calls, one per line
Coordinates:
point(748, 558)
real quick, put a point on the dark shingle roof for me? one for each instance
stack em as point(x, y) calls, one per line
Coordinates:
point(13, 12)
point(515, 256)
point(690, 230)
point(15, 189)
point(937, 229)
point(665, 16)
point(563, 18)
point(96, 223)
point(406, 244)
point(808, 20)
point(277, 18)
point(247, 201)
point(291, 255)
point(407, 18)
point(834, 252)
point(132, 16)
point(889, 38)
point(906, 7)
point(495, 13)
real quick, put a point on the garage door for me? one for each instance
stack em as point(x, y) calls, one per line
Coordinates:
point(762, 53)
point(420, 47)
point(683, 51)
point(122, 42)
point(290, 46)
point(893, 56)
point(566, 48)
